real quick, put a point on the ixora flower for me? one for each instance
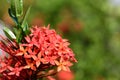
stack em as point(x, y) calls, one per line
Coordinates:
point(41, 53)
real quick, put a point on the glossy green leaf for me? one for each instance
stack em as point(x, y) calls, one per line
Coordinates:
point(17, 7)
point(15, 19)
point(9, 33)
point(24, 24)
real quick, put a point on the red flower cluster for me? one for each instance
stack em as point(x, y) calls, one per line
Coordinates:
point(41, 54)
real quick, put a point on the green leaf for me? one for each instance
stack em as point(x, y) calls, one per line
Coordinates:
point(15, 19)
point(17, 7)
point(9, 33)
point(18, 33)
point(26, 29)
point(24, 24)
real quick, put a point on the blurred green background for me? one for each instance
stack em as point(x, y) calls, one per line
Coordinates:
point(92, 27)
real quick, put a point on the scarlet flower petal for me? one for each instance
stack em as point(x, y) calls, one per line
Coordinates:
point(37, 63)
point(11, 73)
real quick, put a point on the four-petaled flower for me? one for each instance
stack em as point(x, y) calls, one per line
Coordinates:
point(63, 65)
point(15, 71)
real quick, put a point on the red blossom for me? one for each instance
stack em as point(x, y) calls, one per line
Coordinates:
point(15, 71)
point(41, 50)
point(63, 65)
